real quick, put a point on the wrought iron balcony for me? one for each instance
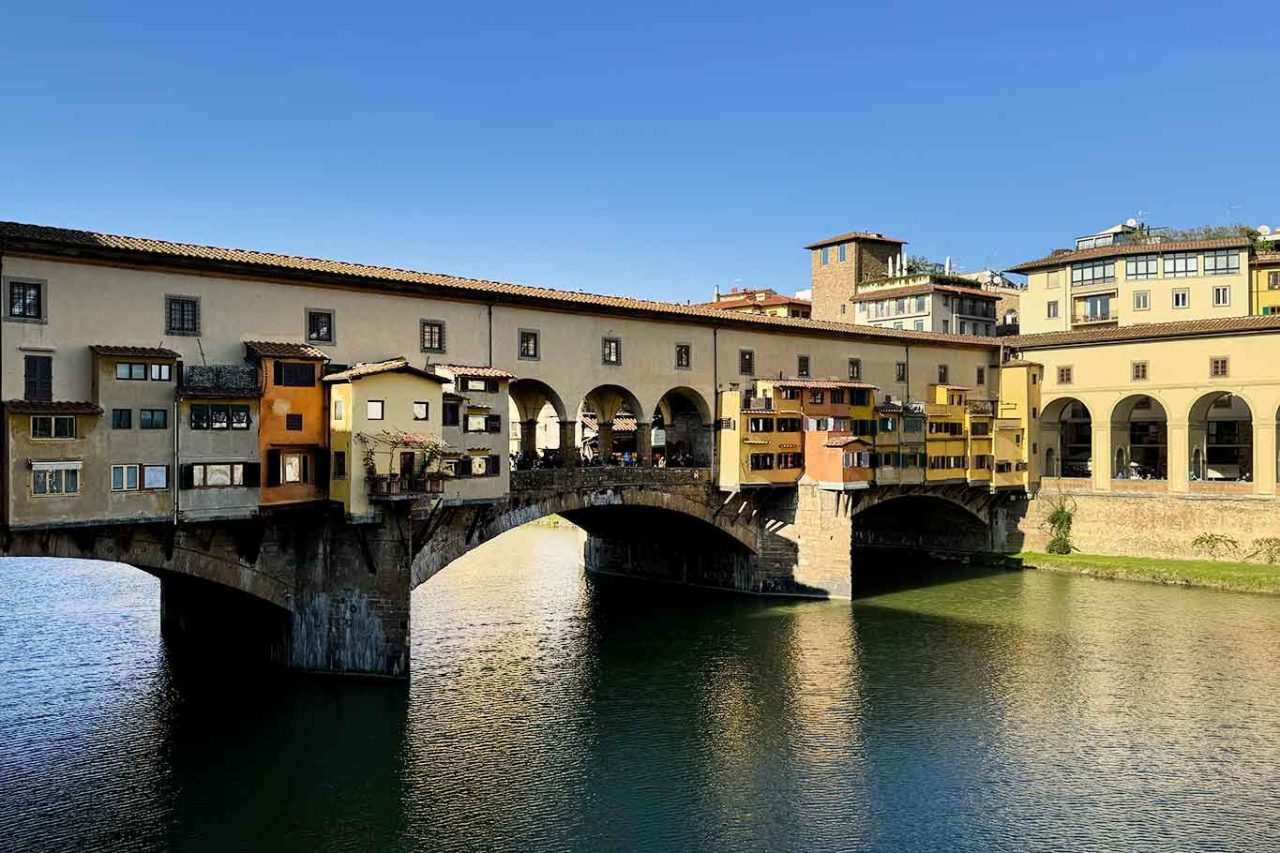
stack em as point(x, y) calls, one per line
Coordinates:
point(393, 485)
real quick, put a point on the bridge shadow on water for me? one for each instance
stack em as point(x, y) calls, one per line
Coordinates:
point(880, 571)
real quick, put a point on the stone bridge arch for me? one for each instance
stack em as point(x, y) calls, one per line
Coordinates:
point(950, 518)
point(585, 496)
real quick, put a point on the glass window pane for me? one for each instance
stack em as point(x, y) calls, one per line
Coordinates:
point(217, 475)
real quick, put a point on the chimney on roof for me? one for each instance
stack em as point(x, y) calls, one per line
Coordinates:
point(947, 268)
point(717, 294)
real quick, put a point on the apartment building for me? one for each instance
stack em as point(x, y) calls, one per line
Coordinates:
point(219, 461)
point(293, 429)
point(1264, 271)
point(839, 265)
point(1128, 276)
point(474, 428)
point(927, 303)
point(760, 301)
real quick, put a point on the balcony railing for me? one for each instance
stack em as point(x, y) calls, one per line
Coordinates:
point(387, 485)
point(1097, 317)
point(981, 407)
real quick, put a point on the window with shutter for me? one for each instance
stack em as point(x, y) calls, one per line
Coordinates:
point(493, 423)
point(182, 315)
point(273, 467)
point(492, 468)
point(38, 377)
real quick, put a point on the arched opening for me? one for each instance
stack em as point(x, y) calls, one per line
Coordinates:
point(1220, 435)
point(1139, 428)
point(541, 429)
point(902, 541)
point(681, 431)
point(1067, 432)
point(611, 431)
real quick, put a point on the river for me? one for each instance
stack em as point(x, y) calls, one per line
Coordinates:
point(549, 710)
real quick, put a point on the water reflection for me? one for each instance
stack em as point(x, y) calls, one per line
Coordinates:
point(549, 711)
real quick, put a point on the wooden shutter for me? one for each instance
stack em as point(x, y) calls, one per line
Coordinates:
point(464, 466)
point(491, 385)
point(39, 377)
point(494, 462)
point(186, 477)
point(306, 468)
point(277, 373)
point(252, 474)
point(273, 467)
point(322, 468)
point(493, 423)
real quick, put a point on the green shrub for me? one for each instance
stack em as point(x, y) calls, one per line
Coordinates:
point(1214, 545)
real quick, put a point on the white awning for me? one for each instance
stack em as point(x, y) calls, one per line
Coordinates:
point(65, 465)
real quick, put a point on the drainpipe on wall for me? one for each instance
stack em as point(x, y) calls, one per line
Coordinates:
point(907, 371)
point(490, 364)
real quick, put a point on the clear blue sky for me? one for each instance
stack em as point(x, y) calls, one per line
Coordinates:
point(653, 149)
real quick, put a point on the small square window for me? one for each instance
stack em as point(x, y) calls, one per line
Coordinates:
point(155, 477)
point(611, 351)
point(1221, 296)
point(320, 326)
point(130, 371)
point(421, 410)
point(1142, 300)
point(1139, 372)
point(182, 315)
point(1051, 310)
point(1064, 375)
point(161, 372)
point(153, 418)
point(374, 409)
point(431, 334)
point(1217, 367)
point(122, 418)
point(26, 300)
point(1182, 298)
point(530, 344)
point(684, 356)
point(293, 423)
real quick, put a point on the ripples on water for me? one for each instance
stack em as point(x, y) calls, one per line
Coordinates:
point(549, 711)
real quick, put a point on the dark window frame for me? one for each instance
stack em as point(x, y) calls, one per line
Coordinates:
point(529, 353)
point(747, 362)
point(175, 308)
point(439, 340)
point(310, 314)
point(153, 419)
point(611, 351)
point(41, 313)
point(122, 418)
point(685, 362)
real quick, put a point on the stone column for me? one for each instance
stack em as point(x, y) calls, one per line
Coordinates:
point(1103, 461)
point(1264, 457)
point(644, 442)
point(1179, 450)
point(569, 443)
point(604, 440)
point(529, 437)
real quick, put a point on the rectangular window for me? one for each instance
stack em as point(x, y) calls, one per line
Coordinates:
point(293, 468)
point(199, 416)
point(452, 415)
point(293, 423)
point(122, 418)
point(802, 366)
point(900, 371)
point(982, 376)
point(942, 374)
point(530, 340)
point(1180, 264)
point(49, 480)
point(374, 409)
point(840, 252)
point(747, 362)
point(1221, 297)
point(124, 478)
point(431, 335)
point(855, 369)
point(611, 351)
point(1051, 309)
point(1222, 262)
point(825, 256)
point(1053, 278)
point(319, 326)
point(293, 374)
point(918, 325)
point(760, 425)
point(219, 417)
point(837, 396)
point(816, 398)
point(1141, 267)
point(493, 423)
point(337, 410)
point(684, 356)
point(788, 425)
point(53, 426)
point(181, 315)
point(1182, 298)
point(161, 372)
point(1064, 375)
point(1093, 272)
point(1273, 280)
point(153, 418)
point(26, 300)
point(130, 370)
point(155, 476)
point(240, 417)
point(1139, 371)
point(475, 423)
point(421, 409)
point(790, 461)
point(761, 461)
point(38, 378)
point(339, 465)
point(1141, 300)
point(1217, 367)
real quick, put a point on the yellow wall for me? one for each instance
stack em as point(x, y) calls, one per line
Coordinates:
point(1266, 299)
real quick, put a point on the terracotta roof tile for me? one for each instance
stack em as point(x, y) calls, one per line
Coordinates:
point(394, 365)
point(133, 352)
point(748, 302)
point(845, 441)
point(855, 235)
point(819, 383)
point(38, 239)
point(55, 407)
point(284, 349)
point(477, 371)
point(1147, 331)
point(1130, 249)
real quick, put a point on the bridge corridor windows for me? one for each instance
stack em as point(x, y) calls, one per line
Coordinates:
point(1067, 427)
point(681, 430)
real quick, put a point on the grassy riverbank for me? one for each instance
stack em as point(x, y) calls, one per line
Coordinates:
point(1238, 577)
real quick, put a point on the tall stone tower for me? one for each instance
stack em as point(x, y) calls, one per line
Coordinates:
point(840, 264)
